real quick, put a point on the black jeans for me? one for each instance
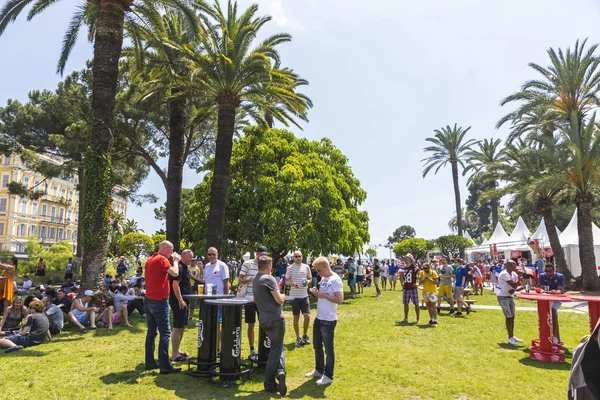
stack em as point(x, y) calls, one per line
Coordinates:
point(323, 332)
point(136, 304)
point(276, 361)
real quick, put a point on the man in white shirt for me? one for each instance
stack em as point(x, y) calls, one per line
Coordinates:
point(385, 269)
point(247, 273)
point(508, 282)
point(329, 295)
point(360, 277)
point(216, 272)
point(297, 277)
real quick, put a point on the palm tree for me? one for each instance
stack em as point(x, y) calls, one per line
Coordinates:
point(105, 19)
point(484, 162)
point(470, 221)
point(568, 85)
point(131, 226)
point(576, 173)
point(521, 170)
point(235, 75)
point(448, 147)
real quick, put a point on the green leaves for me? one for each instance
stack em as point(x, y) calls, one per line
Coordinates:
point(416, 246)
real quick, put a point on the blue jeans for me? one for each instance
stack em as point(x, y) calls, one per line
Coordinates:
point(157, 317)
point(275, 330)
point(323, 332)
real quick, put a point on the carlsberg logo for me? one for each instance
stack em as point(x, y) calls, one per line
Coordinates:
point(267, 343)
point(236, 343)
point(200, 325)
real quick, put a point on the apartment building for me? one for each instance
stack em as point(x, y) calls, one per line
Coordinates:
point(52, 218)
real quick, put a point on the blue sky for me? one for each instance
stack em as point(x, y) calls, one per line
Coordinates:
point(383, 75)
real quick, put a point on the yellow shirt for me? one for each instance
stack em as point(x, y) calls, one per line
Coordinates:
point(195, 270)
point(428, 286)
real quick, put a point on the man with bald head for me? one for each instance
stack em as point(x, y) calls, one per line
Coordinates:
point(156, 305)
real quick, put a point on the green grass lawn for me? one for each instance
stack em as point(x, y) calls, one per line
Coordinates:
point(377, 358)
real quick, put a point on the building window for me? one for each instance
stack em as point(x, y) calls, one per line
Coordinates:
point(44, 210)
point(63, 193)
point(22, 231)
point(32, 230)
point(76, 216)
point(26, 182)
point(7, 161)
point(60, 233)
point(45, 187)
point(51, 233)
point(36, 183)
point(61, 214)
point(3, 205)
point(5, 179)
point(75, 234)
point(34, 208)
point(24, 206)
point(1, 228)
point(52, 212)
point(54, 190)
point(43, 232)
point(68, 234)
point(69, 212)
point(70, 195)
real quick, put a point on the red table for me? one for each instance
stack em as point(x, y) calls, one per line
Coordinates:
point(546, 351)
point(593, 307)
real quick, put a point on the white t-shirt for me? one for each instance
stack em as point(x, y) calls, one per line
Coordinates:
point(215, 274)
point(477, 273)
point(504, 277)
point(295, 274)
point(249, 269)
point(360, 270)
point(385, 270)
point(326, 310)
point(27, 284)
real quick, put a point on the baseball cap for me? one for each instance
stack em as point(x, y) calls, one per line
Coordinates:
point(88, 293)
point(410, 256)
point(262, 249)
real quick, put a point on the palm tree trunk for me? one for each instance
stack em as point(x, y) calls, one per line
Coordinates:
point(177, 126)
point(459, 225)
point(79, 251)
point(98, 183)
point(494, 205)
point(587, 257)
point(221, 177)
point(545, 208)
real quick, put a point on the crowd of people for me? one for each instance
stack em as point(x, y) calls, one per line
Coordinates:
point(157, 291)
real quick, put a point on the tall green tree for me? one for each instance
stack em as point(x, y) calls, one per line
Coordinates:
point(418, 247)
point(484, 162)
point(287, 193)
point(449, 146)
point(452, 245)
point(104, 19)
point(576, 172)
point(470, 220)
point(236, 75)
point(401, 233)
point(482, 208)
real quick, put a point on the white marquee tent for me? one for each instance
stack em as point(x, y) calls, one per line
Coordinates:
point(569, 240)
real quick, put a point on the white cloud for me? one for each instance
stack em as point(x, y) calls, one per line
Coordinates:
point(276, 10)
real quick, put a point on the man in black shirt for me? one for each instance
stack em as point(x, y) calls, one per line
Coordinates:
point(179, 286)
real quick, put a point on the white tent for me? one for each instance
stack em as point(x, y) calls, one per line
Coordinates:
point(569, 240)
point(484, 242)
point(499, 235)
point(521, 232)
point(541, 234)
point(467, 236)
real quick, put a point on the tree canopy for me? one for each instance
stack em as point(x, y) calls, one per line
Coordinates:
point(286, 193)
point(401, 233)
point(416, 246)
point(451, 245)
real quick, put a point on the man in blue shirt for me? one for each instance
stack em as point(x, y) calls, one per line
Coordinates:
point(461, 274)
point(555, 283)
point(393, 272)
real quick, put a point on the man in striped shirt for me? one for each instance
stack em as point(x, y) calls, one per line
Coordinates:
point(297, 277)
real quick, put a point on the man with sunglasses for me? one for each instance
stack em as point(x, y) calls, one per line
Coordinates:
point(556, 284)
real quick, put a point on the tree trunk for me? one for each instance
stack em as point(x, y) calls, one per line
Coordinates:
point(545, 208)
point(79, 251)
point(494, 205)
point(587, 257)
point(177, 126)
point(98, 183)
point(459, 222)
point(221, 177)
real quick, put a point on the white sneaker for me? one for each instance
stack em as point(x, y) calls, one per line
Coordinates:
point(253, 355)
point(517, 339)
point(512, 341)
point(314, 374)
point(325, 380)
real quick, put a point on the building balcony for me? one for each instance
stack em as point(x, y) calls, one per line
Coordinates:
point(30, 218)
point(56, 199)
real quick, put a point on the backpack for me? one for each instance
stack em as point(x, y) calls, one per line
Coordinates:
point(584, 379)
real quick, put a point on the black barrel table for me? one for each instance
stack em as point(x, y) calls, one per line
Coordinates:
point(231, 365)
point(264, 343)
point(207, 334)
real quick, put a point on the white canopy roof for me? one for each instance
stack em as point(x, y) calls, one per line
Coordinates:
point(467, 236)
point(484, 242)
point(570, 237)
point(541, 234)
point(499, 235)
point(521, 232)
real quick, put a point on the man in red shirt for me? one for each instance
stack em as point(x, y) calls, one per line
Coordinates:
point(156, 305)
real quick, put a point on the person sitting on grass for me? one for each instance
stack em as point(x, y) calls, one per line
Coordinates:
point(62, 301)
point(81, 313)
point(55, 315)
point(32, 333)
point(27, 284)
point(38, 294)
point(13, 316)
point(67, 286)
point(114, 287)
point(121, 300)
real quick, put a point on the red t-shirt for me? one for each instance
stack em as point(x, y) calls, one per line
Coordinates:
point(157, 282)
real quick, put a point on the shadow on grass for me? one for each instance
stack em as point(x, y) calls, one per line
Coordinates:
point(127, 377)
point(308, 389)
point(545, 365)
point(402, 323)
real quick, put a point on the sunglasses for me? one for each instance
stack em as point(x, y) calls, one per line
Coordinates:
point(211, 254)
point(297, 256)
